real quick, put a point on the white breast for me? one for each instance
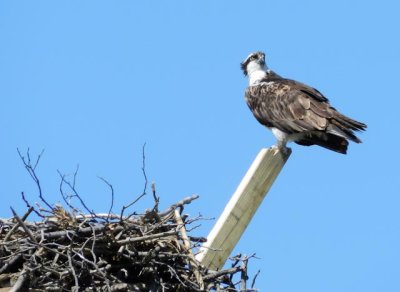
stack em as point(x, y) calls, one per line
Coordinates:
point(256, 76)
point(279, 135)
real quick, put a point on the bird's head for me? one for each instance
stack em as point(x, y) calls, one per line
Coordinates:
point(254, 62)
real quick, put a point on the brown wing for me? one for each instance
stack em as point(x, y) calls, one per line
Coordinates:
point(293, 107)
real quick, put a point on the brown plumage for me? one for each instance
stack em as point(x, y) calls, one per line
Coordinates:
point(297, 111)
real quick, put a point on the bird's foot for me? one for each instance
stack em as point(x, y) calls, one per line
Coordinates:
point(281, 149)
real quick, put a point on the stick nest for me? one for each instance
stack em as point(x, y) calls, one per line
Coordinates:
point(71, 250)
point(106, 252)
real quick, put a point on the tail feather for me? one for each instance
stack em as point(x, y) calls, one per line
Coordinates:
point(347, 124)
point(329, 141)
point(344, 133)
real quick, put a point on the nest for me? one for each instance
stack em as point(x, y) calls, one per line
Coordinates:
point(71, 250)
point(107, 252)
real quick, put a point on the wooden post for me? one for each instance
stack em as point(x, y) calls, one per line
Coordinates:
point(241, 208)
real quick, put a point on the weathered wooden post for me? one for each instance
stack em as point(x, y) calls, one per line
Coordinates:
point(241, 208)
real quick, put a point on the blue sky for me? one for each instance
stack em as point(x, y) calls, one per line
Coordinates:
point(92, 81)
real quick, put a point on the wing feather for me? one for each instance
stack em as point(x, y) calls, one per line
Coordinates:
point(276, 104)
point(294, 107)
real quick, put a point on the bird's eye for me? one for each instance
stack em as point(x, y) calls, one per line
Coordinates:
point(253, 57)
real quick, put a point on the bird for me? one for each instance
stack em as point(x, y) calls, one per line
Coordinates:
point(295, 112)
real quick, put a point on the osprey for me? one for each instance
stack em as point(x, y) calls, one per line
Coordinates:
point(294, 111)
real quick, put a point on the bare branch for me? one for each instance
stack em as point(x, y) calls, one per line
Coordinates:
point(76, 287)
point(75, 174)
point(156, 199)
point(254, 279)
point(63, 195)
point(76, 194)
point(21, 282)
point(185, 201)
point(17, 225)
point(22, 224)
point(144, 188)
point(31, 170)
point(112, 196)
point(144, 168)
point(29, 205)
point(243, 274)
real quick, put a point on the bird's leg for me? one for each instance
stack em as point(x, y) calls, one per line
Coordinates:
point(281, 147)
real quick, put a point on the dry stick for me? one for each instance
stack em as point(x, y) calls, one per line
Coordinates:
point(12, 230)
point(243, 274)
point(29, 205)
point(31, 170)
point(22, 224)
point(173, 271)
point(197, 239)
point(112, 196)
point(236, 261)
point(80, 231)
point(23, 277)
point(144, 168)
point(76, 288)
point(186, 242)
point(129, 205)
point(96, 267)
point(221, 273)
point(185, 201)
point(72, 187)
point(254, 279)
point(156, 199)
point(160, 255)
point(79, 264)
point(75, 174)
point(148, 237)
point(62, 191)
point(144, 188)
point(10, 263)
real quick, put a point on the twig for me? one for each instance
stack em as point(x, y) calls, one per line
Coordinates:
point(148, 237)
point(156, 199)
point(11, 263)
point(72, 187)
point(243, 274)
point(144, 188)
point(75, 174)
point(112, 196)
point(22, 224)
point(173, 272)
point(254, 279)
point(31, 170)
point(17, 225)
point(63, 195)
point(144, 168)
point(185, 201)
point(186, 242)
point(221, 273)
point(29, 205)
point(76, 288)
point(22, 279)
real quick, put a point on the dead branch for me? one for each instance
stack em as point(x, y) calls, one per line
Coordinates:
point(112, 197)
point(31, 170)
point(144, 188)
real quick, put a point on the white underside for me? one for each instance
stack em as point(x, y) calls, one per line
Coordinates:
point(279, 135)
point(283, 138)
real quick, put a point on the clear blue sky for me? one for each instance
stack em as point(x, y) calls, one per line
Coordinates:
point(92, 81)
